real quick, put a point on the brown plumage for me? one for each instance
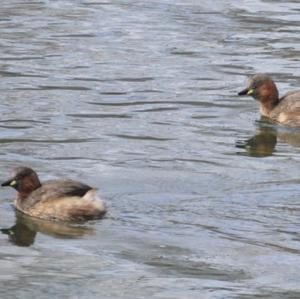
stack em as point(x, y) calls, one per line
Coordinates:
point(64, 200)
point(284, 110)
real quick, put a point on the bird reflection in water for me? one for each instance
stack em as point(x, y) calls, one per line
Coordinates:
point(263, 143)
point(24, 232)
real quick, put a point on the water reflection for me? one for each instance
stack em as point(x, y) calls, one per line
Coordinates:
point(263, 143)
point(24, 232)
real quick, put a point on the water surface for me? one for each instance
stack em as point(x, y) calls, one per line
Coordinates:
point(138, 98)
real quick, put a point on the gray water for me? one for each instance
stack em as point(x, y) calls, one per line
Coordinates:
point(138, 98)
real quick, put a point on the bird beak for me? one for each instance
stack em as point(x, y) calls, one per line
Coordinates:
point(10, 182)
point(246, 91)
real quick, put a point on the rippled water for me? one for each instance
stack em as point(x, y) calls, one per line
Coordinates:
point(139, 99)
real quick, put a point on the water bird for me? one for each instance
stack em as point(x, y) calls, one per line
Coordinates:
point(56, 200)
point(282, 110)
